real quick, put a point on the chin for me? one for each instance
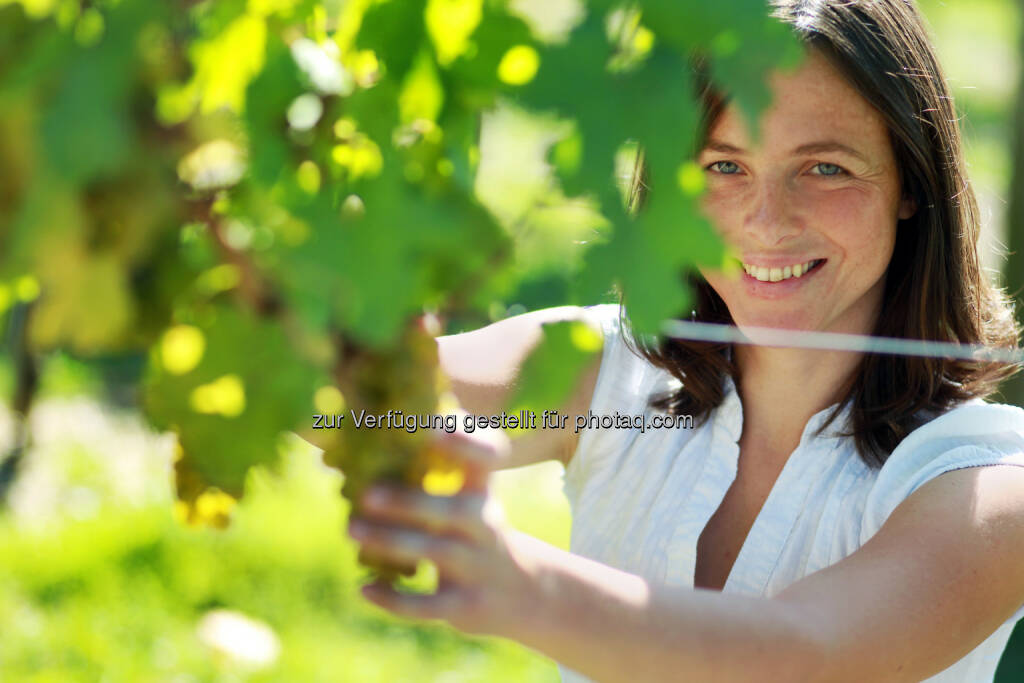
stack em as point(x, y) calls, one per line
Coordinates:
point(793, 320)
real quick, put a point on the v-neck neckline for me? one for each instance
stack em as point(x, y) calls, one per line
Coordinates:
point(763, 544)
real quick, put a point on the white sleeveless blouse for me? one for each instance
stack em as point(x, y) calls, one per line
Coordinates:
point(640, 500)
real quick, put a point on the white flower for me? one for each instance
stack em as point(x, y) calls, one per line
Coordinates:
point(322, 67)
point(243, 640)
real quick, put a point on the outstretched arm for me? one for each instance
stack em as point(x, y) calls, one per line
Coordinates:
point(940, 576)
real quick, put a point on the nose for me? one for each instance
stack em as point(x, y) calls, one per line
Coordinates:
point(770, 217)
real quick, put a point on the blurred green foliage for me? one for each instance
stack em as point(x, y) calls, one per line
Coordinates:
point(119, 595)
point(315, 165)
point(210, 205)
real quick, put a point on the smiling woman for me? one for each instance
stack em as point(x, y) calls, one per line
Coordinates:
point(821, 190)
point(892, 207)
point(834, 516)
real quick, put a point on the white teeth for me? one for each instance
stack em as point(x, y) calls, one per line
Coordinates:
point(766, 274)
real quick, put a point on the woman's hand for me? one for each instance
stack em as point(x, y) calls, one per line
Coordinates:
point(485, 580)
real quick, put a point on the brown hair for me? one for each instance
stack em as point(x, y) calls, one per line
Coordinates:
point(934, 287)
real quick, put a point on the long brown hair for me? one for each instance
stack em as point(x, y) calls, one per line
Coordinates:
point(934, 287)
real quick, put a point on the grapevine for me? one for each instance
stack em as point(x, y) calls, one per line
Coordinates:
point(278, 204)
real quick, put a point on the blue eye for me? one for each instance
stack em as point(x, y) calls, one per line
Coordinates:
point(828, 169)
point(725, 167)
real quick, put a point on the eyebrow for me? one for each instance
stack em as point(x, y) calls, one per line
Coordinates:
point(821, 147)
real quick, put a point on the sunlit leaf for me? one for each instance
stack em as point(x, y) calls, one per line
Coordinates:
point(394, 30)
point(328, 400)
point(422, 95)
point(181, 348)
point(230, 408)
point(227, 62)
point(450, 23)
point(555, 366)
point(519, 65)
point(223, 396)
point(691, 178)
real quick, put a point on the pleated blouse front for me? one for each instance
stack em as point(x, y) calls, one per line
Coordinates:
point(641, 498)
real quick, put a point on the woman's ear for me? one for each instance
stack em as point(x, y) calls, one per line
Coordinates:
point(908, 207)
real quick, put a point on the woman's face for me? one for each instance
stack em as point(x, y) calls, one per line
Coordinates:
point(810, 207)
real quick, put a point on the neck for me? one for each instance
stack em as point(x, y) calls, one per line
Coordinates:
point(781, 389)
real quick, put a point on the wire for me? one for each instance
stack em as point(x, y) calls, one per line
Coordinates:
point(831, 341)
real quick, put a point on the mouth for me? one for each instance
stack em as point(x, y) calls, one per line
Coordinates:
point(780, 274)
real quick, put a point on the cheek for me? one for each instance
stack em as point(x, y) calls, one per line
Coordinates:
point(724, 206)
point(716, 278)
point(859, 221)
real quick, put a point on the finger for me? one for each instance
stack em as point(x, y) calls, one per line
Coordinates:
point(460, 515)
point(369, 559)
point(406, 546)
point(446, 604)
point(479, 453)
